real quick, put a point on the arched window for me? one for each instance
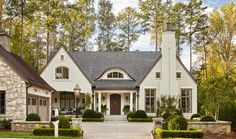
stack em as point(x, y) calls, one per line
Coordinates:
point(115, 75)
point(62, 73)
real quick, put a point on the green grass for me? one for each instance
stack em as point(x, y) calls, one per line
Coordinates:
point(9, 134)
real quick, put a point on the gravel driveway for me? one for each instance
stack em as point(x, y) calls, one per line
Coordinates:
point(117, 130)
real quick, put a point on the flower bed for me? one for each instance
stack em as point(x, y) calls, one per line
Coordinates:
point(75, 132)
point(159, 133)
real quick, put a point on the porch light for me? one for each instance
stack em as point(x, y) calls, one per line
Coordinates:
point(77, 90)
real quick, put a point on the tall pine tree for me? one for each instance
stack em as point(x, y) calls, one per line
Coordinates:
point(106, 26)
point(128, 27)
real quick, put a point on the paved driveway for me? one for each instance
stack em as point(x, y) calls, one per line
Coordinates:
point(117, 130)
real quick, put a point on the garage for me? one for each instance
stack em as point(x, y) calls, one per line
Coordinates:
point(39, 105)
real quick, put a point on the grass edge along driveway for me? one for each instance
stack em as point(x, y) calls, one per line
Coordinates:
point(9, 134)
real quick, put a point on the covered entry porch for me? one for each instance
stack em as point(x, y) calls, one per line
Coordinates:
point(113, 101)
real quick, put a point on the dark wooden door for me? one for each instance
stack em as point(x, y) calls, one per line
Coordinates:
point(115, 107)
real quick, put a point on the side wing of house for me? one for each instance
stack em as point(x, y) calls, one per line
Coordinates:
point(12, 93)
point(187, 90)
point(63, 74)
point(183, 87)
point(149, 89)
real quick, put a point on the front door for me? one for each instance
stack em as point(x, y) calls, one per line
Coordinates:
point(115, 107)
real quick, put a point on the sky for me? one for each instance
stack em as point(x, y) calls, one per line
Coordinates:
point(143, 43)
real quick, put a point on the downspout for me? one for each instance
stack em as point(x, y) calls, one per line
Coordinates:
point(28, 85)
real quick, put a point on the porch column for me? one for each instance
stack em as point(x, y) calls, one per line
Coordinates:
point(99, 101)
point(108, 104)
point(94, 102)
point(136, 103)
point(131, 101)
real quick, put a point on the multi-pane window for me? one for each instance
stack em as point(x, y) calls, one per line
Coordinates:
point(158, 75)
point(67, 101)
point(186, 100)
point(150, 99)
point(62, 73)
point(2, 102)
point(43, 102)
point(178, 74)
point(115, 75)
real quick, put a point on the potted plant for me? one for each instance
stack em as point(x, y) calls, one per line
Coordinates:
point(104, 109)
point(126, 109)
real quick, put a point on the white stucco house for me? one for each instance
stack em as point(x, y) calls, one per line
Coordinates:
point(22, 90)
point(116, 79)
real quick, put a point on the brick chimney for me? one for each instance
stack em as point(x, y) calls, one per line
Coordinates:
point(5, 41)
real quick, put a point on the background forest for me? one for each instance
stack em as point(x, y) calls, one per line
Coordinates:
point(38, 27)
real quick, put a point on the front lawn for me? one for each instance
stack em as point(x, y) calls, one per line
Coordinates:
point(9, 134)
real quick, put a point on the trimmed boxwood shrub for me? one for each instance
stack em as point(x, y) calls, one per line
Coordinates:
point(89, 113)
point(177, 123)
point(149, 119)
point(196, 115)
point(33, 117)
point(140, 114)
point(208, 118)
point(75, 132)
point(99, 115)
point(130, 115)
point(93, 119)
point(166, 115)
point(178, 133)
point(167, 121)
point(64, 122)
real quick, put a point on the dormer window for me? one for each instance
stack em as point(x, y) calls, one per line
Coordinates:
point(62, 73)
point(115, 75)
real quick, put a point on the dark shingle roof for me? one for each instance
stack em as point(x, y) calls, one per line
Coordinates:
point(26, 72)
point(136, 64)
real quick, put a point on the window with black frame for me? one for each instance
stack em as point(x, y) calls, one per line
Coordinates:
point(62, 73)
point(2, 102)
point(186, 100)
point(150, 99)
point(67, 101)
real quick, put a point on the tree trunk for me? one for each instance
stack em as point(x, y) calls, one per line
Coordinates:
point(47, 55)
point(22, 28)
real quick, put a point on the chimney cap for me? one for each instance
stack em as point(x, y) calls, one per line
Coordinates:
point(169, 26)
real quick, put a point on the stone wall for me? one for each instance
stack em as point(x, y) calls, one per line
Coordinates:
point(25, 126)
point(15, 88)
point(219, 127)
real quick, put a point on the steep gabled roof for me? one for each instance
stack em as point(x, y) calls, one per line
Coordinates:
point(136, 64)
point(23, 69)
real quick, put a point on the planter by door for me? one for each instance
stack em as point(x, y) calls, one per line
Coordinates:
point(115, 104)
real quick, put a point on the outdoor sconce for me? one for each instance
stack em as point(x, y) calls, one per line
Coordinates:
point(103, 98)
point(127, 98)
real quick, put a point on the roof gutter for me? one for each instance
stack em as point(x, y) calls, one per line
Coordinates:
point(28, 85)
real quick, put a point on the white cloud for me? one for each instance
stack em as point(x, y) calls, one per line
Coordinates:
point(143, 44)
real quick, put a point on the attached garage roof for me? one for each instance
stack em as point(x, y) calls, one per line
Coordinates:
point(23, 69)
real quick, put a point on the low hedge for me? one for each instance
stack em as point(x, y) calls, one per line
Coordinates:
point(93, 119)
point(149, 119)
point(178, 133)
point(75, 132)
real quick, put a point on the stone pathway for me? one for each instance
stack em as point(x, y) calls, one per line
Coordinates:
point(117, 130)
